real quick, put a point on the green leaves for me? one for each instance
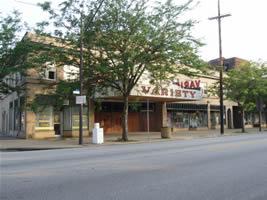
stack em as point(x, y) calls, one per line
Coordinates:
point(10, 26)
point(245, 84)
point(132, 39)
point(124, 38)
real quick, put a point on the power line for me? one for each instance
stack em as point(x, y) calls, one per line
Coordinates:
point(26, 3)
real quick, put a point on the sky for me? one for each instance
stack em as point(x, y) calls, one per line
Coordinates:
point(244, 33)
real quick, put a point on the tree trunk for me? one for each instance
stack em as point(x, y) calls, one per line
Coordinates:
point(242, 119)
point(125, 119)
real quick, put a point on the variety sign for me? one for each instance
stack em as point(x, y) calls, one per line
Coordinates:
point(178, 90)
point(192, 84)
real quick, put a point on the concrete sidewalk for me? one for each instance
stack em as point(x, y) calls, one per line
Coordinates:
point(14, 144)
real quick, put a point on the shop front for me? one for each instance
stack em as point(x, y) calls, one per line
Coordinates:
point(110, 117)
point(148, 107)
point(187, 116)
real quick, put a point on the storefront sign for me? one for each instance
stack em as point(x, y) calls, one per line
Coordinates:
point(192, 84)
point(170, 92)
point(182, 90)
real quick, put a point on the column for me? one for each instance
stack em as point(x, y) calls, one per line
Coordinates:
point(91, 111)
point(208, 112)
point(164, 115)
point(29, 124)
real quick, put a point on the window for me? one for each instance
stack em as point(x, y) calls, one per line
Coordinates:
point(44, 118)
point(50, 71)
point(67, 118)
point(22, 113)
point(11, 116)
point(76, 117)
point(16, 115)
point(51, 75)
point(188, 119)
point(4, 122)
point(71, 118)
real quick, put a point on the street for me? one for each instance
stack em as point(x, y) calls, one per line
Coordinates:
point(232, 168)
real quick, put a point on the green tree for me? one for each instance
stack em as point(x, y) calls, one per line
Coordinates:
point(245, 85)
point(10, 27)
point(133, 37)
point(18, 55)
point(122, 39)
point(71, 19)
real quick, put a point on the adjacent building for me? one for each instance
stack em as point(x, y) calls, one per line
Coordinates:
point(251, 119)
point(229, 63)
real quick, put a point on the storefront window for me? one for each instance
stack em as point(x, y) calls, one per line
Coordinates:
point(76, 119)
point(71, 118)
point(11, 115)
point(44, 118)
point(215, 118)
point(16, 115)
point(22, 114)
point(67, 118)
point(248, 118)
point(188, 119)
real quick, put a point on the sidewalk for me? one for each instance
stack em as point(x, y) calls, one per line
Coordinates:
point(14, 144)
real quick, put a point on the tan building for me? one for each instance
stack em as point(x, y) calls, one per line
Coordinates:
point(228, 63)
point(251, 119)
point(183, 103)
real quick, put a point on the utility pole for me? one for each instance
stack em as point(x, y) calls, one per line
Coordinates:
point(81, 82)
point(219, 17)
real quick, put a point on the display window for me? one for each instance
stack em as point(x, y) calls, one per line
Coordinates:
point(188, 119)
point(71, 118)
point(44, 118)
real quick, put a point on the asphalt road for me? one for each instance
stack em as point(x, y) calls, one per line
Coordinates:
point(233, 167)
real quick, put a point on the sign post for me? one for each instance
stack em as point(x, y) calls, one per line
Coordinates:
point(81, 100)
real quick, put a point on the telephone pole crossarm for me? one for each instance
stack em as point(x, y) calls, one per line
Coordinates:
point(217, 17)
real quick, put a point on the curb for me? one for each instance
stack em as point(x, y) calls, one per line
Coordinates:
point(111, 142)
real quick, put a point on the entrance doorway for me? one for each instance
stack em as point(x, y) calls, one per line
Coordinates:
point(57, 123)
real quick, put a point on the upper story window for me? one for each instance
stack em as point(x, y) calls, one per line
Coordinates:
point(50, 72)
point(52, 75)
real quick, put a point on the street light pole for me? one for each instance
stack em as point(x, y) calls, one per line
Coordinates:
point(219, 17)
